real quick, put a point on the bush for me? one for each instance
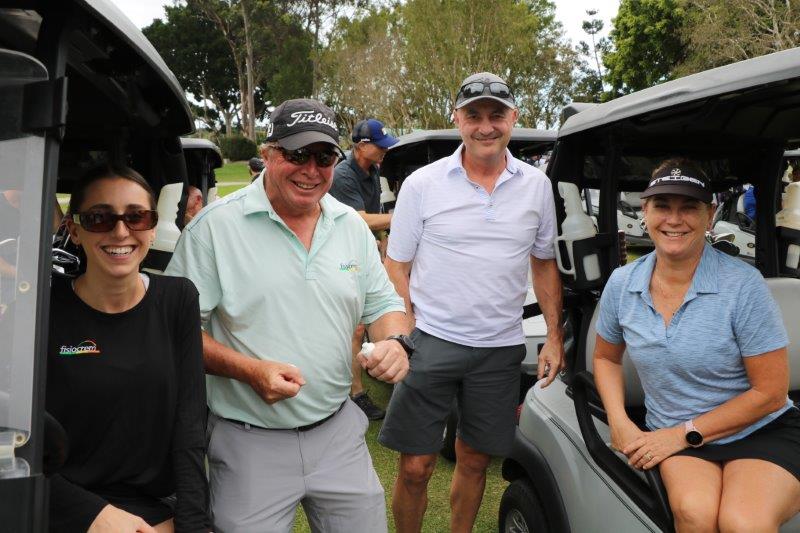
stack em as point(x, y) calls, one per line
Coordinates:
point(237, 148)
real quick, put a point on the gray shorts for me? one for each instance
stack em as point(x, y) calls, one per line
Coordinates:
point(485, 382)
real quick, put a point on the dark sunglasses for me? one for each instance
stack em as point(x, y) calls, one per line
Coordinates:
point(480, 88)
point(102, 221)
point(324, 158)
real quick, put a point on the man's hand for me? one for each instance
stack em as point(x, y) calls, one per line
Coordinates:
point(551, 361)
point(275, 381)
point(114, 520)
point(388, 361)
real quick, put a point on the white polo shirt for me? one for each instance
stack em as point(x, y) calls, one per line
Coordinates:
point(470, 249)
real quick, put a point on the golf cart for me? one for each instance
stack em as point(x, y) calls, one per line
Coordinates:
point(79, 84)
point(420, 148)
point(202, 157)
point(731, 216)
point(735, 121)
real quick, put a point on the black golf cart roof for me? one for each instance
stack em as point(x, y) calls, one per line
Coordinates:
point(771, 113)
point(519, 136)
point(211, 149)
point(419, 148)
point(110, 63)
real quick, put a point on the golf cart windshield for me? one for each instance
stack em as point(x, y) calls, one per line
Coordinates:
point(22, 164)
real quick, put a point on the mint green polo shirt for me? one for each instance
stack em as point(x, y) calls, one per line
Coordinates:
point(264, 295)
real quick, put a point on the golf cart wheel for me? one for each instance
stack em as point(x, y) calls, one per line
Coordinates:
point(520, 509)
point(448, 450)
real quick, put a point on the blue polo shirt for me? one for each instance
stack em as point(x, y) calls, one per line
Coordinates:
point(695, 364)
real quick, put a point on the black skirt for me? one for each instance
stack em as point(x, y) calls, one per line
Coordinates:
point(778, 442)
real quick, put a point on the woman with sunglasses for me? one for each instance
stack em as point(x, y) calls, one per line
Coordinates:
point(125, 373)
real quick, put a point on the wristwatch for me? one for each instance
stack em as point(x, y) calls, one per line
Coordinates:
point(405, 341)
point(693, 437)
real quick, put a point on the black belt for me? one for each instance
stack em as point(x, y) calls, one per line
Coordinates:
point(308, 427)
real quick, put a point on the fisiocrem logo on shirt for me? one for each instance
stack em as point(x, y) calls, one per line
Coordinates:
point(350, 266)
point(87, 347)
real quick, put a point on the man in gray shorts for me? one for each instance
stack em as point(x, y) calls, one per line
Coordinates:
point(462, 233)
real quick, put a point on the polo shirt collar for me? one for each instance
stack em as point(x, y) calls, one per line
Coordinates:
point(704, 281)
point(456, 168)
point(351, 160)
point(256, 201)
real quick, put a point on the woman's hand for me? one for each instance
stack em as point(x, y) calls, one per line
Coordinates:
point(623, 433)
point(652, 447)
point(114, 520)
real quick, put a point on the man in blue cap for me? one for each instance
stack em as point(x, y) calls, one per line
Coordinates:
point(356, 182)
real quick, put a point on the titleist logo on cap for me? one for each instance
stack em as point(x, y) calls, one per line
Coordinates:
point(300, 117)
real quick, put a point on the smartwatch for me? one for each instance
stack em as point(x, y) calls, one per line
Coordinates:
point(693, 437)
point(405, 341)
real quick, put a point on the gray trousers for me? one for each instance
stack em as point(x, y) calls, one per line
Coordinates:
point(259, 476)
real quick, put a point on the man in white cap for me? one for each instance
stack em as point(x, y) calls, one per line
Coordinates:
point(285, 272)
point(464, 232)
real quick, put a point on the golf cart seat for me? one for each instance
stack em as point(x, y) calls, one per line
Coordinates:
point(786, 292)
point(167, 231)
point(740, 204)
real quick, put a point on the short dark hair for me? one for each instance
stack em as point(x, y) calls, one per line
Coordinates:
point(102, 172)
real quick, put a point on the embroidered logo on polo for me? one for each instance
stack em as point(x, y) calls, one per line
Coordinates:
point(87, 347)
point(351, 266)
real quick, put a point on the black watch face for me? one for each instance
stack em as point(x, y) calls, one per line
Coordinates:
point(694, 438)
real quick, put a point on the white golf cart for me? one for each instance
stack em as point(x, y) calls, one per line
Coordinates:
point(736, 121)
point(79, 84)
point(731, 216)
point(420, 148)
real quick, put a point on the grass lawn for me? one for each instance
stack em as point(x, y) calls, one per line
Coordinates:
point(235, 171)
point(437, 518)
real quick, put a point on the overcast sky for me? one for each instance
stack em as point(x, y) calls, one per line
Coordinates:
point(570, 12)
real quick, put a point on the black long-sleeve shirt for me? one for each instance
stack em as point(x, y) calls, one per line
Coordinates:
point(129, 390)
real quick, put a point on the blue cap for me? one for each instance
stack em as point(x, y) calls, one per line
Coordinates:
point(371, 130)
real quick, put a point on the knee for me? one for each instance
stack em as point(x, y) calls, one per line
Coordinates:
point(746, 519)
point(416, 470)
point(470, 460)
point(695, 514)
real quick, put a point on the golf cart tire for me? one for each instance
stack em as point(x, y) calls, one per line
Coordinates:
point(448, 450)
point(521, 511)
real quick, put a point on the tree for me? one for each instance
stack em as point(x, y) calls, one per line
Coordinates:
point(197, 54)
point(361, 70)
point(412, 57)
point(318, 14)
point(261, 35)
point(721, 32)
point(589, 85)
point(647, 44)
